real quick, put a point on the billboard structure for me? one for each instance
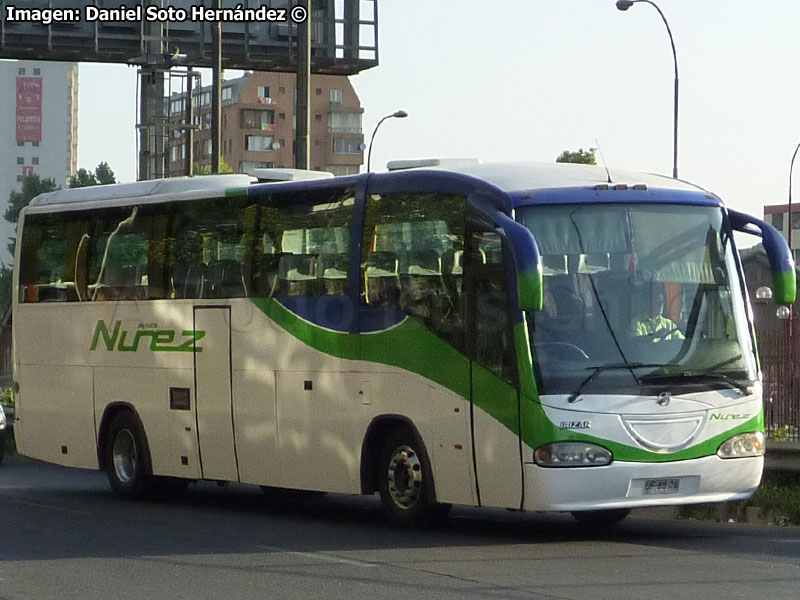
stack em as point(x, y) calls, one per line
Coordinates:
point(29, 109)
point(157, 35)
point(344, 42)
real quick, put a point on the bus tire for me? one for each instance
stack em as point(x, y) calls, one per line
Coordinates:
point(405, 481)
point(601, 518)
point(126, 455)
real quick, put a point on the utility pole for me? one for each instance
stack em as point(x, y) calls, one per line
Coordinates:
point(189, 121)
point(216, 93)
point(301, 145)
point(152, 112)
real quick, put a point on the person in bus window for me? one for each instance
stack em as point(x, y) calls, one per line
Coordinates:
point(658, 327)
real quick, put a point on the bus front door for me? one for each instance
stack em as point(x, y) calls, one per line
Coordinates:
point(495, 394)
point(214, 393)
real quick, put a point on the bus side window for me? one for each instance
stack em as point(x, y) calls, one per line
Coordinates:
point(29, 265)
point(49, 246)
point(119, 255)
point(411, 261)
point(303, 243)
point(208, 250)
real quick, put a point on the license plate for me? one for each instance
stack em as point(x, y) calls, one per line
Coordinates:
point(661, 486)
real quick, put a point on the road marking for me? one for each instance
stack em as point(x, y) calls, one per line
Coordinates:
point(46, 505)
point(320, 556)
point(778, 540)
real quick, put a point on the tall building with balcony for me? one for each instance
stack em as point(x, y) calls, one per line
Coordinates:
point(259, 122)
point(38, 128)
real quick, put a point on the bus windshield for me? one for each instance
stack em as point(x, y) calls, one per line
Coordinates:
point(635, 294)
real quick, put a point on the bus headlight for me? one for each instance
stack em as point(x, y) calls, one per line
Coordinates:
point(572, 454)
point(745, 444)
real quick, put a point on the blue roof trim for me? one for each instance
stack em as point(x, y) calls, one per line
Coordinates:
point(434, 181)
point(261, 189)
point(590, 195)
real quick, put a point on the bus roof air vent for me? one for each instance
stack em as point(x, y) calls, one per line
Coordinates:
point(445, 163)
point(283, 175)
point(142, 189)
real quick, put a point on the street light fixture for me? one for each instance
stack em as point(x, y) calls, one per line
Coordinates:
point(399, 114)
point(624, 5)
point(790, 324)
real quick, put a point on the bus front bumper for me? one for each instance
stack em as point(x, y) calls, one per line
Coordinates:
point(632, 485)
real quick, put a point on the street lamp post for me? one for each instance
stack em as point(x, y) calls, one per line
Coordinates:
point(789, 240)
point(789, 234)
point(400, 114)
point(625, 5)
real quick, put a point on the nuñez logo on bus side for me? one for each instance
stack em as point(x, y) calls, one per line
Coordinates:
point(160, 340)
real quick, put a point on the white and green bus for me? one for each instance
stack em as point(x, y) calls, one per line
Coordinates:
point(525, 336)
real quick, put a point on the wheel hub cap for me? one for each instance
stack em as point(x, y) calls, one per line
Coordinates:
point(404, 477)
point(124, 456)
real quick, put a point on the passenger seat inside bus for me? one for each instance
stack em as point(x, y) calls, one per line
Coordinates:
point(188, 280)
point(423, 292)
point(382, 279)
point(297, 275)
point(225, 280)
point(333, 271)
point(265, 284)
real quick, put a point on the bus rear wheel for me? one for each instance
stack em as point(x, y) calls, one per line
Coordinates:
point(405, 482)
point(126, 457)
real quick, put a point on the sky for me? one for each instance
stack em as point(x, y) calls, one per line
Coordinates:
point(527, 79)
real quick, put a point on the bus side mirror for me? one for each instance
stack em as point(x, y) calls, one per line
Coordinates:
point(528, 262)
point(530, 290)
point(781, 263)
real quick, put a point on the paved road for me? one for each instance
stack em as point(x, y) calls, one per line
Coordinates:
point(64, 535)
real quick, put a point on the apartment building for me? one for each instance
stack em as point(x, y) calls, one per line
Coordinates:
point(258, 124)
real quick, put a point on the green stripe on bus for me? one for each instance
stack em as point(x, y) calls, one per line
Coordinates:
point(540, 430)
point(408, 345)
point(412, 347)
point(235, 192)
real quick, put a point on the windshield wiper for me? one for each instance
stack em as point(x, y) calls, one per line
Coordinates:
point(684, 375)
point(599, 369)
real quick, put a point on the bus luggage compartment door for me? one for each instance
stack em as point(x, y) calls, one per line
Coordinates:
point(214, 393)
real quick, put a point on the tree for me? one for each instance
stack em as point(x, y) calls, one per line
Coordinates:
point(224, 167)
point(82, 178)
point(103, 175)
point(580, 157)
point(32, 186)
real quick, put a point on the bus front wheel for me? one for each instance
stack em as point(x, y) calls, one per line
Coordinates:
point(405, 481)
point(125, 457)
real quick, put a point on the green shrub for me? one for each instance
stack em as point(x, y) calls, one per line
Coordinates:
point(7, 397)
point(784, 500)
point(779, 434)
